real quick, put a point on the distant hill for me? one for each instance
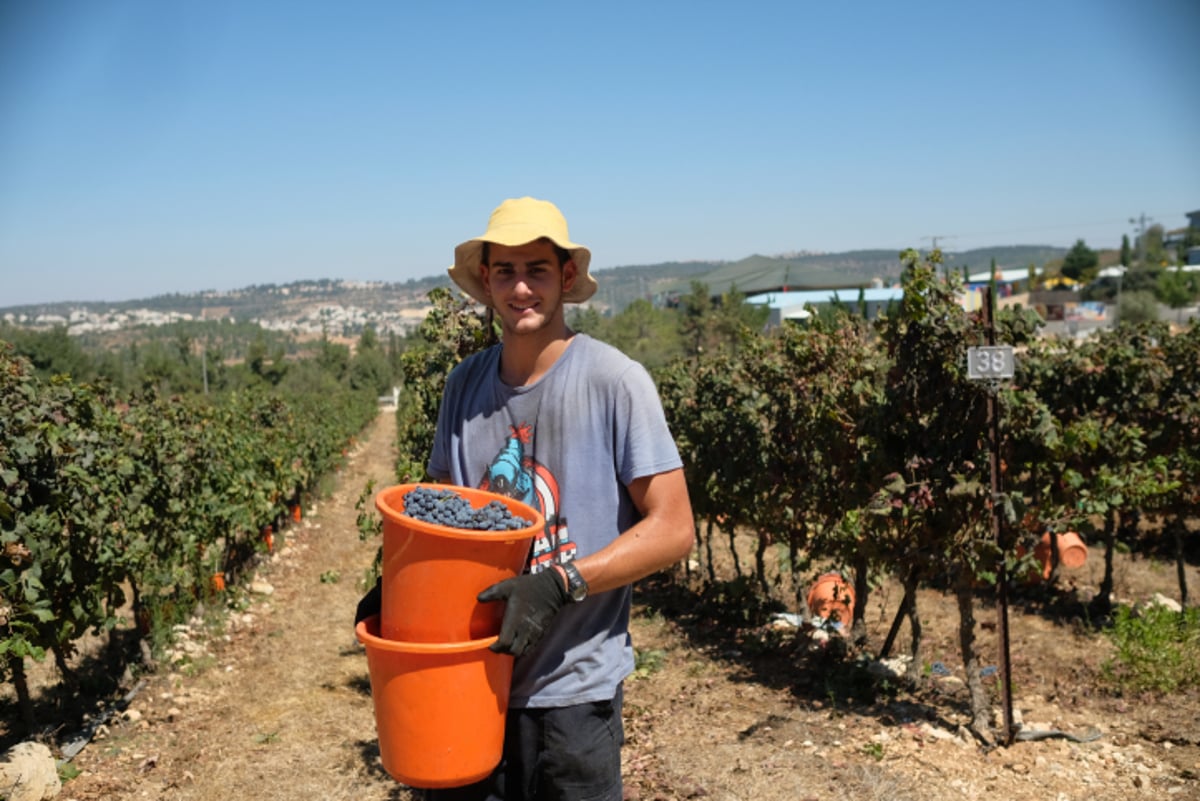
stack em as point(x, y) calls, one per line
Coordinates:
point(619, 286)
point(256, 300)
point(850, 269)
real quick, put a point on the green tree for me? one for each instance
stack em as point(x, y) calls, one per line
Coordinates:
point(1137, 307)
point(1177, 289)
point(370, 371)
point(695, 315)
point(256, 356)
point(393, 353)
point(735, 318)
point(1153, 249)
point(51, 352)
point(368, 339)
point(333, 357)
point(1079, 261)
point(265, 361)
point(214, 365)
point(646, 334)
point(183, 344)
point(587, 320)
point(1126, 251)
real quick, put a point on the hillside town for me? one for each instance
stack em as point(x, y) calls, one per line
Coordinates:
point(333, 318)
point(302, 309)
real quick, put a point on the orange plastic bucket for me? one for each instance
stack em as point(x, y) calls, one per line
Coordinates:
point(431, 573)
point(831, 596)
point(439, 707)
point(1072, 552)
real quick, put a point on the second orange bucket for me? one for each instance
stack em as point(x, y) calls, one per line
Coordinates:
point(431, 573)
point(440, 708)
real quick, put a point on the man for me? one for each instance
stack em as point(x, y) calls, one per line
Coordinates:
point(575, 428)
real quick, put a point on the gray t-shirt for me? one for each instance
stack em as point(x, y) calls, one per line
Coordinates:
point(567, 445)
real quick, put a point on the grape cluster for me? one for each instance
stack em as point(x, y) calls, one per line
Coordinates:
point(445, 507)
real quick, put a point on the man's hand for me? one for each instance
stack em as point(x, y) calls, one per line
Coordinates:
point(370, 604)
point(533, 599)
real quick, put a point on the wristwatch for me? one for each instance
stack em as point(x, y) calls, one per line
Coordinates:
point(577, 588)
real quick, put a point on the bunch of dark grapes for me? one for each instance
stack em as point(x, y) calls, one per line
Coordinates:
point(445, 507)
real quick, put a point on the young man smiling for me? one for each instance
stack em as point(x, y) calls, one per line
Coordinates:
point(575, 428)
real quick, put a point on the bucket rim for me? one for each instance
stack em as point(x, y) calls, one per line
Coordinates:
point(367, 632)
point(388, 510)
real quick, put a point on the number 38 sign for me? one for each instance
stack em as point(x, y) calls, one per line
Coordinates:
point(990, 362)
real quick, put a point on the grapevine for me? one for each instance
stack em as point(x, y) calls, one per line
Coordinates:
point(103, 496)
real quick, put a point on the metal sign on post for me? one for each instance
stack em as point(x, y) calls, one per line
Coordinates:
point(990, 362)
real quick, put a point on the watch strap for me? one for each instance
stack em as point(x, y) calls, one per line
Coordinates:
point(577, 587)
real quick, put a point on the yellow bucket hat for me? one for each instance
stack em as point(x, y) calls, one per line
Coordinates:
point(518, 221)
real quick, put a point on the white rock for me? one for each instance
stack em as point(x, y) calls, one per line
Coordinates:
point(892, 668)
point(788, 619)
point(949, 684)
point(1161, 600)
point(936, 733)
point(28, 773)
point(261, 588)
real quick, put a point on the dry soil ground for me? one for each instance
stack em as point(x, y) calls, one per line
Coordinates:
point(275, 702)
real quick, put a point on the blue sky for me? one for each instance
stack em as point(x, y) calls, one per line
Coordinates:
point(151, 146)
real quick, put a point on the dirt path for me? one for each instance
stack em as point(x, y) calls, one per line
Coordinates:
point(276, 705)
point(280, 706)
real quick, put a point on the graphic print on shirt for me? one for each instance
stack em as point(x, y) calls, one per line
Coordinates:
point(517, 475)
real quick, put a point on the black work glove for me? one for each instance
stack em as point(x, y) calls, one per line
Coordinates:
point(533, 600)
point(371, 603)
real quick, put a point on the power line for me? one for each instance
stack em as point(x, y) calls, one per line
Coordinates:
point(935, 239)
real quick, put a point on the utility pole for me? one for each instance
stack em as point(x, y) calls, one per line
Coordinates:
point(934, 240)
point(1140, 223)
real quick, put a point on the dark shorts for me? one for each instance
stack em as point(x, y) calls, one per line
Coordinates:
point(568, 753)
